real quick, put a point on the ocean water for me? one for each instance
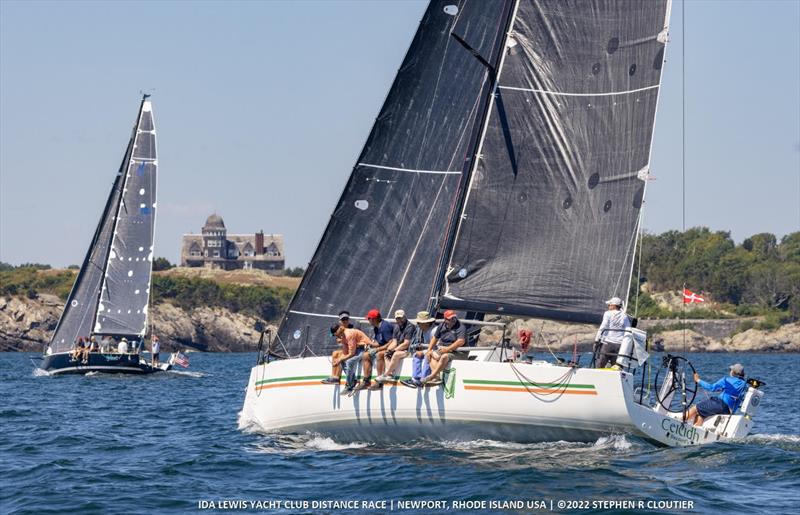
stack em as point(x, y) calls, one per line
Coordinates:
point(170, 443)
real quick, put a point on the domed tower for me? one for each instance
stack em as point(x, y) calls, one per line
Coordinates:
point(214, 236)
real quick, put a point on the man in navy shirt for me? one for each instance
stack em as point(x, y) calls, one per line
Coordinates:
point(382, 332)
point(733, 388)
point(450, 335)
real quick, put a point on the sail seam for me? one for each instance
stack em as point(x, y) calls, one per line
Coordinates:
point(410, 170)
point(563, 94)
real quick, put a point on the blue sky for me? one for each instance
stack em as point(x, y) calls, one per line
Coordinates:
point(262, 109)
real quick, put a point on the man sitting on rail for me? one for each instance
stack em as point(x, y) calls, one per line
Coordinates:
point(382, 332)
point(450, 335)
point(397, 349)
point(420, 367)
point(353, 342)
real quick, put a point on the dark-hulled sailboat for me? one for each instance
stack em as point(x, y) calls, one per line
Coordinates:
point(110, 297)
point(505, 174)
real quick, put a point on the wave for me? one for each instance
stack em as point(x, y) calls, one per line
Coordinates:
point(186, 373)
point(38, 372)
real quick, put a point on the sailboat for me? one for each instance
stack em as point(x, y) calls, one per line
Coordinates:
point(505, 174)
point(110, 297)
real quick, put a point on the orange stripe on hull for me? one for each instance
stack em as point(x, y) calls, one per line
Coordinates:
point(301, 383)
point(530, 390)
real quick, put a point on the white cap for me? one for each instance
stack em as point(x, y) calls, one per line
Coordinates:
point(399, 314)
point(615, 301)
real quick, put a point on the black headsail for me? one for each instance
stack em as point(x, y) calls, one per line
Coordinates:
point(78, 317)
point(551, 215)
point(125, 292)
point(383, 243)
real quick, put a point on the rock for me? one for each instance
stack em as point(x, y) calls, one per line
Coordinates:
point(27, 325)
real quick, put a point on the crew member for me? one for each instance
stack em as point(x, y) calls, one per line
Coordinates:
point(450, 335)
point(733, 388)
point(611, 331)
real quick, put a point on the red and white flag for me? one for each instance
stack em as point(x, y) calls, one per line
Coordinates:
point(689, 297)
point(182, 360)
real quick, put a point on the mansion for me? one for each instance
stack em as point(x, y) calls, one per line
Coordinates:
point(215, 248)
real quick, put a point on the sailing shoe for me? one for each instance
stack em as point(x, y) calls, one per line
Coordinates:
point(384, 378)
point(375, 386)
point(347, 391)
point(431, 381)
point(411, 383)
point(330, 380)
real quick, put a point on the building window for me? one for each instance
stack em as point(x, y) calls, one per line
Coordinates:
point(194, 253)
point(216, 253)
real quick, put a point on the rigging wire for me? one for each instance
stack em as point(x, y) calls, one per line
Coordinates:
point(683, 151)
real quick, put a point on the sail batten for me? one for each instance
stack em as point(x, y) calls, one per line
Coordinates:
point(549, 223)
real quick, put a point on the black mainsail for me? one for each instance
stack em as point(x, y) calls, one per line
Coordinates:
point(551, 215)
point(80, 311)
point(384, 242)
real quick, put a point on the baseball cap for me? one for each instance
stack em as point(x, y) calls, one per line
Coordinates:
point(615, 301)
point(399, 314)
point(373, 313)
point(449, 314)
point(737, 369)
point(344, 314)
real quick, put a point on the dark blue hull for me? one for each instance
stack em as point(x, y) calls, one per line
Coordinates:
point(107, 363)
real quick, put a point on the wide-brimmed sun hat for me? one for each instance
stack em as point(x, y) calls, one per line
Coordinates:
point(423, 317)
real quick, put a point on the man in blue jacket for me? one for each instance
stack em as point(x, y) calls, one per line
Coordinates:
point(733, 388)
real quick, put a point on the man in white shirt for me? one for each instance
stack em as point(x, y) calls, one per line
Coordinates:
point(611, 331)
point(155, 347)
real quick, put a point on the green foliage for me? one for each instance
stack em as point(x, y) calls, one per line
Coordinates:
point(73, 267)
point(5, 267)
point(28, 281)
point(264, 302)
point(35, 266)
point(161, 263)
point(758, 277)
point(295, 272)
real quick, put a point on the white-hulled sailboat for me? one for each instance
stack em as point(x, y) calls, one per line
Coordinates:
point(111, 294)
point(505, 174)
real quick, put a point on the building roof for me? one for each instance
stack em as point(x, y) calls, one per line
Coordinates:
point(214, 222)
point(240, 240)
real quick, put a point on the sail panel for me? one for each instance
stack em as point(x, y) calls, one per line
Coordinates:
point(78, 316)
point(382, 246)
point(125, 292)
point(550, 221)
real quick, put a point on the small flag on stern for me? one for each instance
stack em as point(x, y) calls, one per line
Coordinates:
point(689, 297)
point(182, 360)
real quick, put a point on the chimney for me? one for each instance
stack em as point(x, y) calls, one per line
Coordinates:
point(259, 243)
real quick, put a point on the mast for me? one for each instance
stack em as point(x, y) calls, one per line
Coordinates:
point(495, 69)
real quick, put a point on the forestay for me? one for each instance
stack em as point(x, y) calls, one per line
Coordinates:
point(126, 289)
point(385, 239)
point(551, 215)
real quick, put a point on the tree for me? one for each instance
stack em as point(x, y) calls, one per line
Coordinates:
point(161, 263)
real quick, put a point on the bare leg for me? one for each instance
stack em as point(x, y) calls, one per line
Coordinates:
point(379, 358)
point(397, 358)
point(437, 365)
point(691, 414)
point(336, 370)
point(366, 365)
point(699, 421)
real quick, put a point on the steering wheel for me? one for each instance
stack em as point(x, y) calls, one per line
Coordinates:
point(681, 368)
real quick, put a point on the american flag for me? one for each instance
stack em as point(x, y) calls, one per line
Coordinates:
point(182, 360)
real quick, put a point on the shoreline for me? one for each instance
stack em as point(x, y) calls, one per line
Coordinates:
point(26, 324)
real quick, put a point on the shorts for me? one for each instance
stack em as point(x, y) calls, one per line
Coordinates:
point(712, 406)
point(155, 356)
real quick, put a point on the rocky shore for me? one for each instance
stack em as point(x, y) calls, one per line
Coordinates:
point(26, 325)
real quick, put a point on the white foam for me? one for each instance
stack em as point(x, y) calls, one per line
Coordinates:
point(618, 442)
point(323, 443)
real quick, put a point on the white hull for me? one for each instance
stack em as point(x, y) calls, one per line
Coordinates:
point(523, 402)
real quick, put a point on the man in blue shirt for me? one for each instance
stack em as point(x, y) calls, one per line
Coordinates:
point(733, 389)
point(382, 332)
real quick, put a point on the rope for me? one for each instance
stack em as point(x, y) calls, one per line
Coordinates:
point(683, 149)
